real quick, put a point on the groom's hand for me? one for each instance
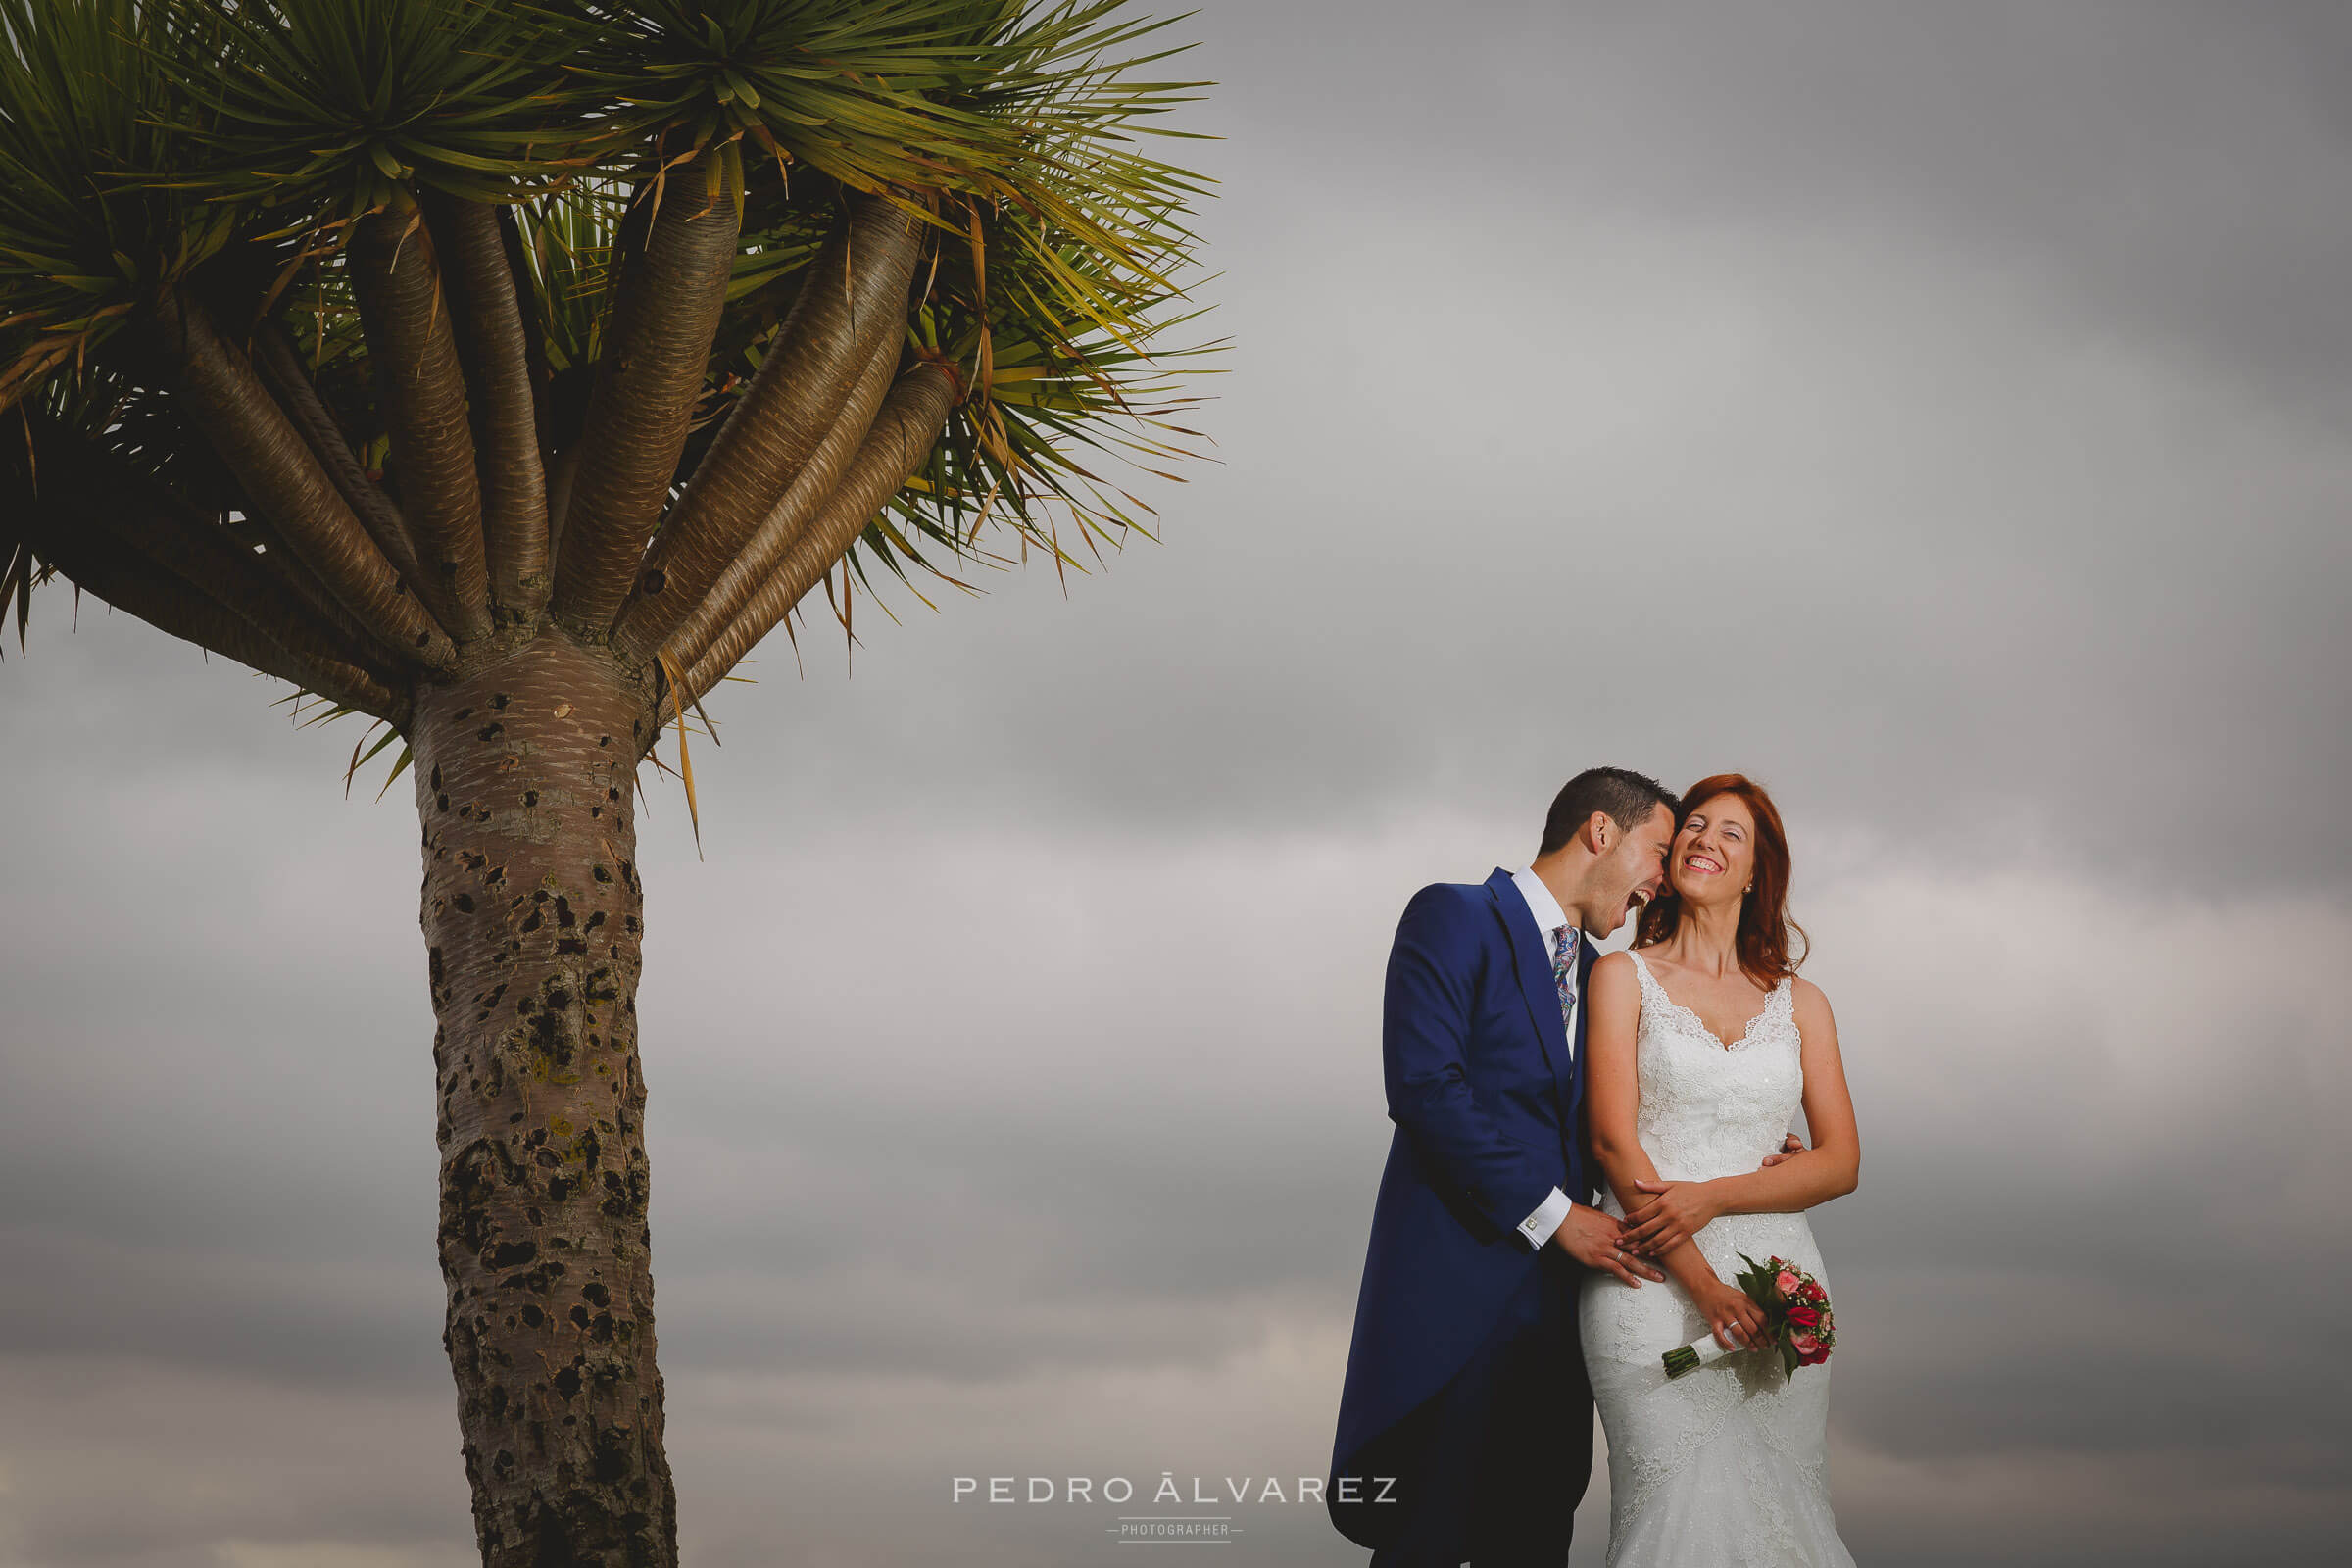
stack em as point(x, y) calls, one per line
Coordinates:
point(1593, 1239)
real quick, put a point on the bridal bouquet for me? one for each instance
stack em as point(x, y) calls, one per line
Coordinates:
point(1796, 1318)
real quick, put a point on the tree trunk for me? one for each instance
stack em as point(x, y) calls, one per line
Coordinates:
point(525, 768)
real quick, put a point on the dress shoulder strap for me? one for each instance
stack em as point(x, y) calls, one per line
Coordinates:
point(1650, 982)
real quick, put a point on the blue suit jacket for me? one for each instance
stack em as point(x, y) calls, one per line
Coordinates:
point(1487, 1098)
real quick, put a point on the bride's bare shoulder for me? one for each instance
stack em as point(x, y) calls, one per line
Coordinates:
point(1613, 973)
point(1809, 1001)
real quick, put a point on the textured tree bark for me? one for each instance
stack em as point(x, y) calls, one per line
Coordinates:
point(494, 345)
point(421, 391)
point(801, 500)
point(532, 915)
point(820, 351)
point(656, 354)
point(901, 436)
point(222, 397)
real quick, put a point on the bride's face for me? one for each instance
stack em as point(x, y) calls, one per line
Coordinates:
point(1715, 853)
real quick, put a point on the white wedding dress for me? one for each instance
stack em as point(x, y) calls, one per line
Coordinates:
point(1721, 1467)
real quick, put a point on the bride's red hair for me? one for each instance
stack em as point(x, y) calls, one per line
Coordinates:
point(1762, 942)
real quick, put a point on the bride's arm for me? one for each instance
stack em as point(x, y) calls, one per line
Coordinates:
point(1613, 1103)
point(1829, 1169)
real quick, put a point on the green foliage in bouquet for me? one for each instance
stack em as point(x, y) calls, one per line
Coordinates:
point(1797, 1317)
point(1797, 1309)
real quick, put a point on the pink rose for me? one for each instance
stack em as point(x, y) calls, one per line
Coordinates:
point(1810, 1351)
point(1788, 1284)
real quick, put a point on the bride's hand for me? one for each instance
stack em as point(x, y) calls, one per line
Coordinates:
point(1738, 1322)
point(1679, 1211)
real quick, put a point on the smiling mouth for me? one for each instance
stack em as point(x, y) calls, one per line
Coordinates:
point(1699, 862)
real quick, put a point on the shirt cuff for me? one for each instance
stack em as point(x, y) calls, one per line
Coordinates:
point(1536, 1228)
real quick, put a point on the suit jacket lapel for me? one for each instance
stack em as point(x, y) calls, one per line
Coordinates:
point(1530, 958)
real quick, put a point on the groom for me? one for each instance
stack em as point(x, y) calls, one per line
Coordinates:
point(1466, 1424)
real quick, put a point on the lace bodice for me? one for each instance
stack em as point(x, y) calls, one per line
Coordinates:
point(1708, 1109)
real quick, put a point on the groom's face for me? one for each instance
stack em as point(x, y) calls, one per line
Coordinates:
point(1630, 873)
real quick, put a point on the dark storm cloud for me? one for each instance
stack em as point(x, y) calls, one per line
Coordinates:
point(1050, 1155)
point(1935, 410)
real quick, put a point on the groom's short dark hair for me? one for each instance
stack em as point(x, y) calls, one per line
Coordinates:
point(1626, 798)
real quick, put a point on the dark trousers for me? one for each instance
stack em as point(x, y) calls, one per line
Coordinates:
point(1490, 1469)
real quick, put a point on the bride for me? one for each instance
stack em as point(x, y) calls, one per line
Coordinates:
point(1701, 1044)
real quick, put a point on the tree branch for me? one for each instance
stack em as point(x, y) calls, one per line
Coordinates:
point(495, 351)
point(224, 400)
point(656, 354)
point(853, 299)
point(179, 608)
point(278, 561)
point(911, 419)
point(282, 371)
point(421, 386)
point(134, 517)
point(561, 468)
point(534, 345)
point(154, 529)
point(818, 479)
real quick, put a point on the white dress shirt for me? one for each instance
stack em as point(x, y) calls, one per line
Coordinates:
point(1536, 1228)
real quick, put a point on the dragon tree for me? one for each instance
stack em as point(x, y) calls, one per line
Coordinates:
point(501, 373)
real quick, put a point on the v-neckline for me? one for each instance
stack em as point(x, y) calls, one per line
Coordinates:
point(1699, 1023)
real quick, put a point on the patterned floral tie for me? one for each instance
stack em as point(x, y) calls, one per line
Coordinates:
point(1564, 954)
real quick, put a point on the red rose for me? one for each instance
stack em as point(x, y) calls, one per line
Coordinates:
point(1805, 1317)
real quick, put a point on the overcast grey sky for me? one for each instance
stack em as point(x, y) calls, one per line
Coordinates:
point(1936, 411)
